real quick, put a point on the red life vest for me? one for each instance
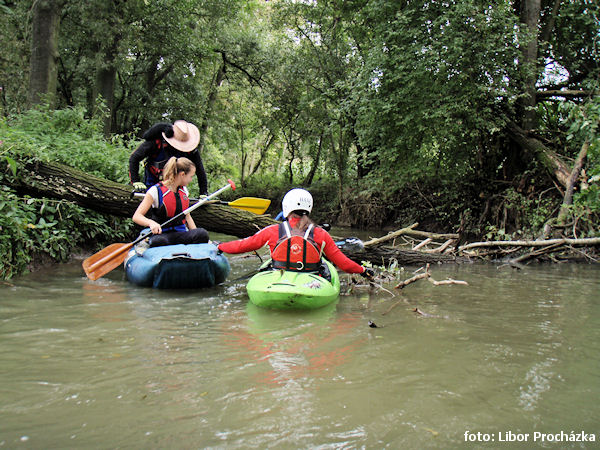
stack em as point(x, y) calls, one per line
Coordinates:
point(296, 250)
point(169, 205)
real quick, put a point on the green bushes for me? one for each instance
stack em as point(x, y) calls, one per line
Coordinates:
point(32, 228)
point(66, 136)
point(585, 127)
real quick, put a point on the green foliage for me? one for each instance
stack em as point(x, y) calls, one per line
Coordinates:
point(35, 227)
point(66, 136)
point(391, 110)
point(575, 44)
point(585, 127)
point(438, 77)
point(518, 215)
point(32, 227)
point(14, 61)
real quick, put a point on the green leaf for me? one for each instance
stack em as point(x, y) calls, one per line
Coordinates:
point(12, 164)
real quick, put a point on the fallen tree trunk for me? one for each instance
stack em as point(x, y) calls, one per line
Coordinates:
point(383, 256)
point(549, 159)
point(532, 243)
point(55, 180)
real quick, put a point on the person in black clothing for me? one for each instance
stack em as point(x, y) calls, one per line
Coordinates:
point(161, 142)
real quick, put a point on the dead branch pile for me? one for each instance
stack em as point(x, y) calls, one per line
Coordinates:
point(430, 248)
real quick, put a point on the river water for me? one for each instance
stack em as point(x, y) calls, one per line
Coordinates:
point(105, 364)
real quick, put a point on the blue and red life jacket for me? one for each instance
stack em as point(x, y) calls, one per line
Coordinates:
point(169, 205)
point(296, 250)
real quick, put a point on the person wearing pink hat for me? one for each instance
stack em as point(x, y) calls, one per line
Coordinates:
point(161, 142)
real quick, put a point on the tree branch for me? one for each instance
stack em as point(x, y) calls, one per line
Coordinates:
point(559, 93)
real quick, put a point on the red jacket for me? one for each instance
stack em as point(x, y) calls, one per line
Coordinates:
point(270, 236)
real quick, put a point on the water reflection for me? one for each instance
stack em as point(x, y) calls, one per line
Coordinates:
point(97, 364)
point(296, 345)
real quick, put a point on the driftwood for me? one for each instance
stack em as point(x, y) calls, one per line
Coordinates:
point(549, 249)
point(532, 243)
point(554, 249)
point(442, 248)
point(409, 231)
point(427, 275)
point(381, 255)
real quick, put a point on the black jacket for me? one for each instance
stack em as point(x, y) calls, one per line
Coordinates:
point(150, 150)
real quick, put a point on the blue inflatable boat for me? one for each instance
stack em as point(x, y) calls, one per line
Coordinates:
point(177, 266)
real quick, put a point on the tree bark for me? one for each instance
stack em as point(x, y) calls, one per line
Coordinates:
point(549, 159)
point(313, 170)
point(530, 16)
point(383, 256)
point(568, 198)
point(44, 53)
point(263, 152)
point(550, 21)
point(54, 180)
point(210, 101)
point(105, 85)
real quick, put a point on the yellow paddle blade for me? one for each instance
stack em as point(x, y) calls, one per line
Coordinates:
point(253, 204)
point(105, 260)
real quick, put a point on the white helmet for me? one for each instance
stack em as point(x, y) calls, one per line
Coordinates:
point(296, 199)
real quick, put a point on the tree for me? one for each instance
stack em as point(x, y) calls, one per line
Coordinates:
point(530, 16)
point(44, 54)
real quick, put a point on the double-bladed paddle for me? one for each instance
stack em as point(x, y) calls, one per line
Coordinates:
point(253, 204)
point(108, 258)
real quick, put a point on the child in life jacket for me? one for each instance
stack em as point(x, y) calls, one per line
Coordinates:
point(296, 243)
point(167, 199)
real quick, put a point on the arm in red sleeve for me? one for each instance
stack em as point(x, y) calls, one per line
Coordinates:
point(335, 255)
point(268, 235)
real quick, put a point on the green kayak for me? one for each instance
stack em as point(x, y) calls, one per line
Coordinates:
point(287, 289)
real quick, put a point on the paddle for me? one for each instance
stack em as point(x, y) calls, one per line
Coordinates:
point(108, 258)
point(253, 204)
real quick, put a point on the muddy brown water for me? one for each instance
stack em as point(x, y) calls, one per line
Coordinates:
point(513, 356)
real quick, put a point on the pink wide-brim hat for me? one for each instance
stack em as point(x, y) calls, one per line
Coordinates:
point(186, 136)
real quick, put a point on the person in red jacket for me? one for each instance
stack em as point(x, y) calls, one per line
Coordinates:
point(296, 243)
